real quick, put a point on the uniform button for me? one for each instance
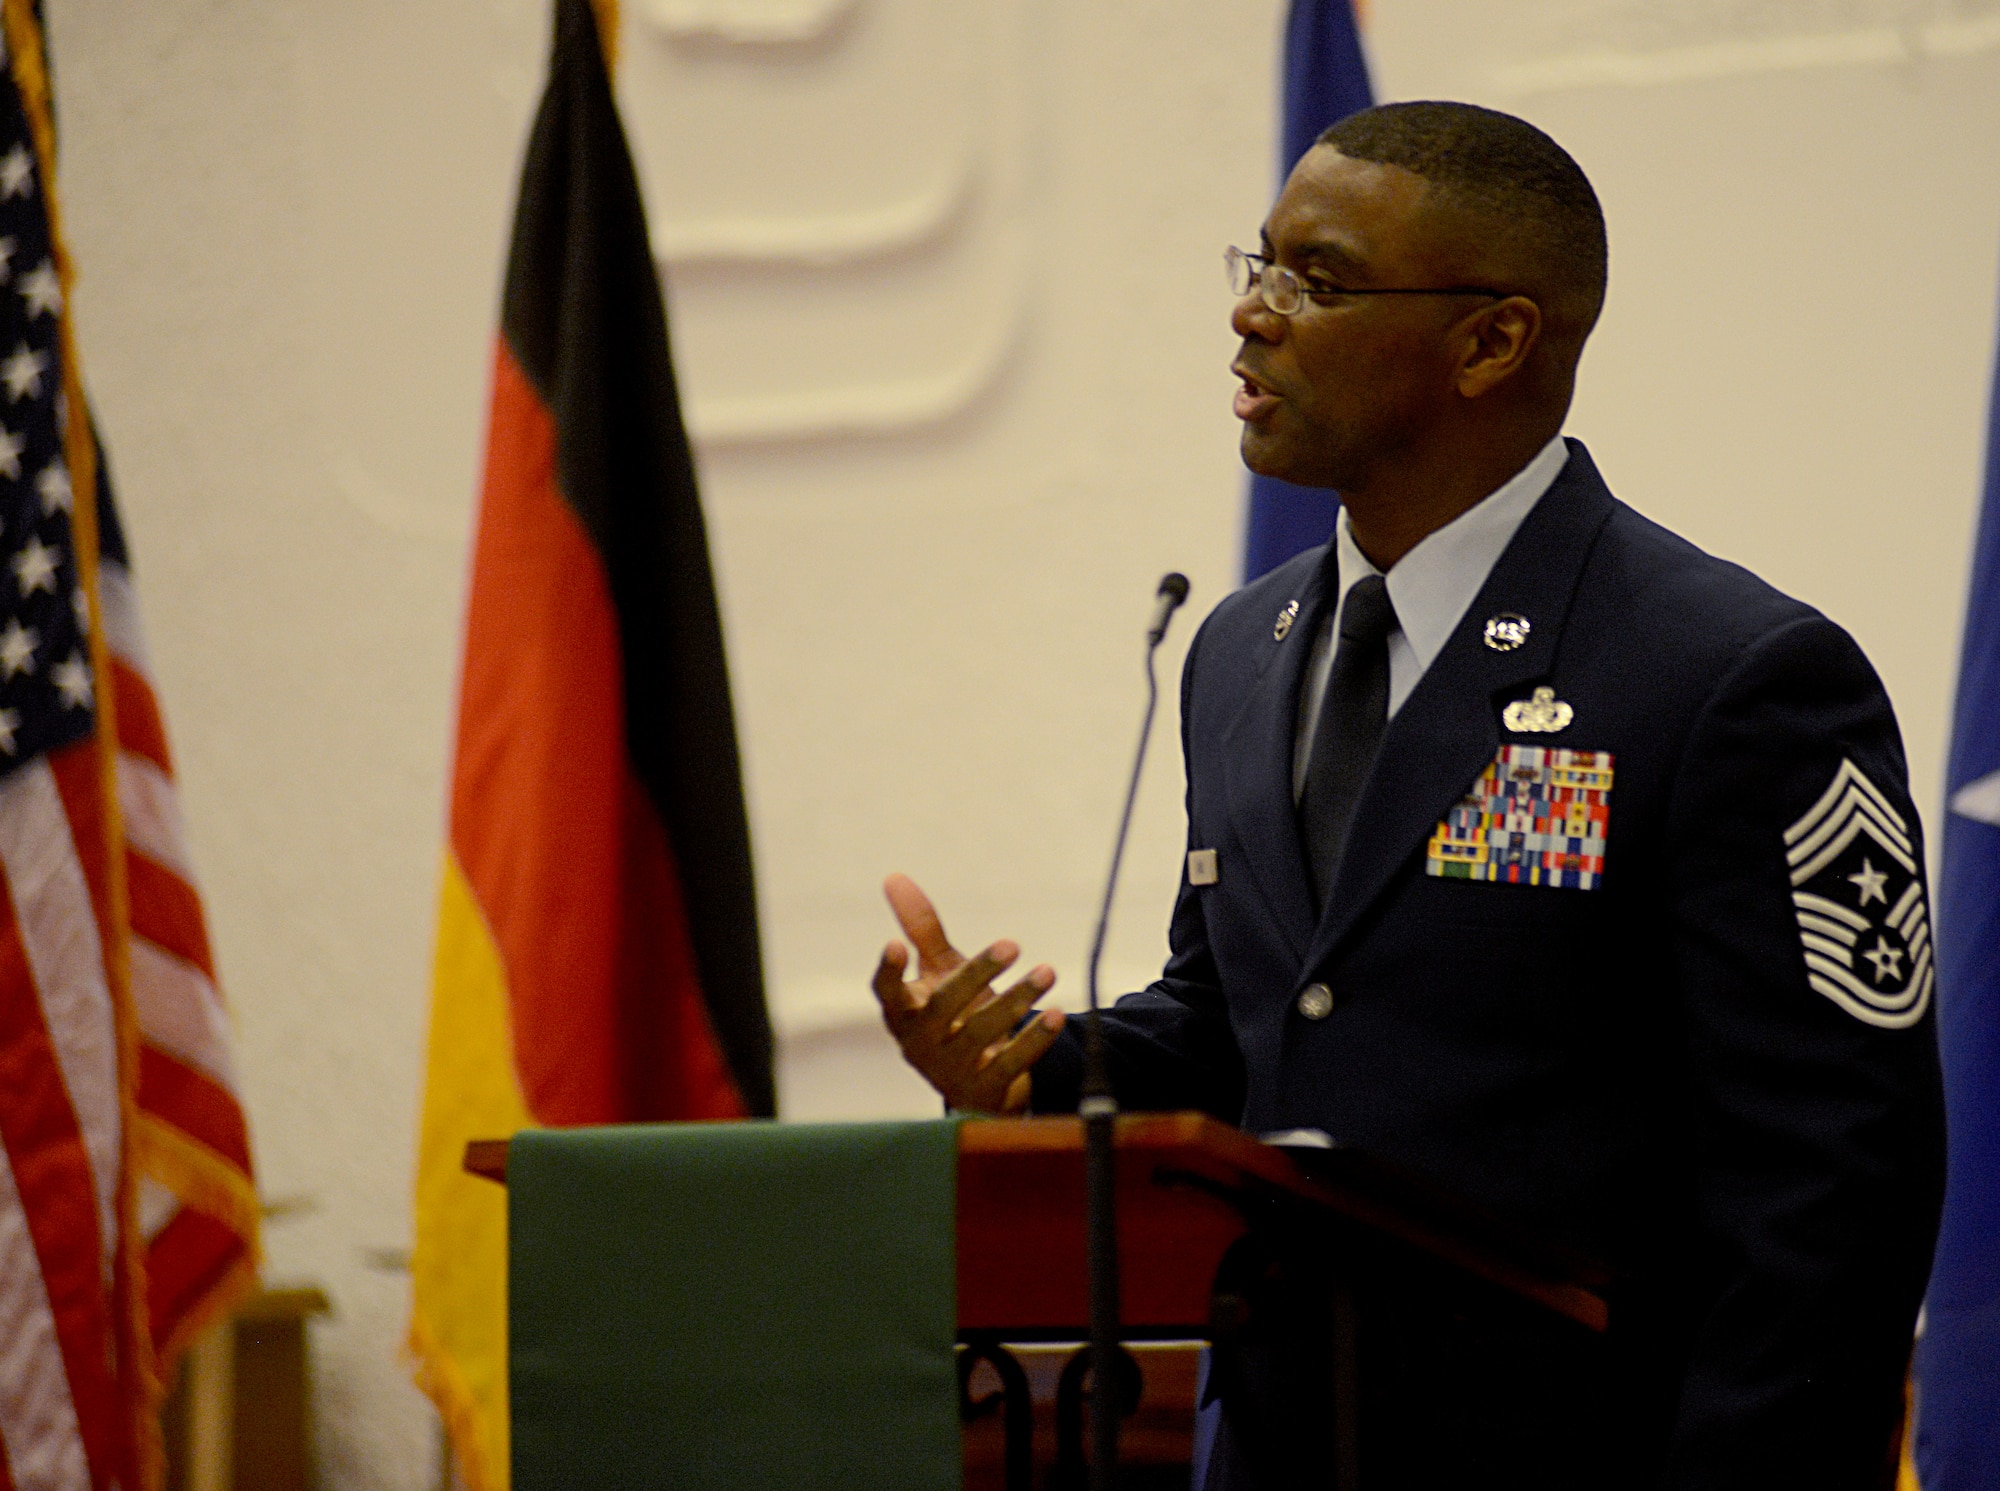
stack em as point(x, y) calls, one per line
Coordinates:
point(1316, 1003)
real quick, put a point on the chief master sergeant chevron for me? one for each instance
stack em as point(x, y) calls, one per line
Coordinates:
point(1568, 864)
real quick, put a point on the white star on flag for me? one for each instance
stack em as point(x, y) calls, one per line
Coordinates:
point(6, 259)
point(41, 290)
point(80, 603)
point(22, 373)
point(54, 486)
point(11, 446)
point(35, 566)
point(72, 680)
point(17, 648)
point(10, 721)
point(17, 173)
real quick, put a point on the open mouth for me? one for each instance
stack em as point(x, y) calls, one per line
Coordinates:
point(1253, 399)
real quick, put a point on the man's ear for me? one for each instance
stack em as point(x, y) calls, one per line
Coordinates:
point(1500, 337)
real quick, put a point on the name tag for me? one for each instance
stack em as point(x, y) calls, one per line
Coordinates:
point(1201, 867)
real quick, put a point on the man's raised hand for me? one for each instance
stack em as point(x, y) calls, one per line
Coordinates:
point(951, 1023)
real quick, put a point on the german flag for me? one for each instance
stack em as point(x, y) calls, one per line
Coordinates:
point(597, 956)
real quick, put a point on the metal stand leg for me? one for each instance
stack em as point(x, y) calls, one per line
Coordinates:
point(1072, 1468)
point(1014, 1400)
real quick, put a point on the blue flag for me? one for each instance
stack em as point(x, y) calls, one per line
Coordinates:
point(1326, 78)
point(1958, 1359)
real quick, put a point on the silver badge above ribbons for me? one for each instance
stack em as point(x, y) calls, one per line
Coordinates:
point(1542, 715)
point(1285, 619)
point(1507, 631)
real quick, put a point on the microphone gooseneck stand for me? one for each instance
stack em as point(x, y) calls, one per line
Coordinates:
point(1099, 1110)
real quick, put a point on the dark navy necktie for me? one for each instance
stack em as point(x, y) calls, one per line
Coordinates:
point(1352, 718)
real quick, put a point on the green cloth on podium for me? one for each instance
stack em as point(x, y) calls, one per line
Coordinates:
point(714, 1306)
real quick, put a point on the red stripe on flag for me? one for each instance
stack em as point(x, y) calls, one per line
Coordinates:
point(674, 1066)
point(79, 777)
point(166, 910)
point(564, 854)
point(193, 1104)
point(191, 1255)
point(52, 1173)
point(141, 729)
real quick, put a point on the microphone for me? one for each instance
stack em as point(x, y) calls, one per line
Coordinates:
point(1173, 590)
point(1099, 1107)
point(1166, 600)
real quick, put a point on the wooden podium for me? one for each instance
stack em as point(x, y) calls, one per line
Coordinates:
point(1189, 1191)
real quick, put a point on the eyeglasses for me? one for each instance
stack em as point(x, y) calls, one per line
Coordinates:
point(1284, 293)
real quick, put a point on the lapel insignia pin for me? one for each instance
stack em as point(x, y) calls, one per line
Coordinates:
point(1507, 631)
point(1202, 869)
point(1285, 619)
point(1542, 715)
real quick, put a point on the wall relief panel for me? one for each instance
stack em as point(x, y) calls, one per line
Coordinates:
point(839, 201)
point(1557, 45)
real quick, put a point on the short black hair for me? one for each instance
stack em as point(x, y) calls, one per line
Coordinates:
point(1495, 164)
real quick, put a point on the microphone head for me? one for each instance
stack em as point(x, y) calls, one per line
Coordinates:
point(1174, 584)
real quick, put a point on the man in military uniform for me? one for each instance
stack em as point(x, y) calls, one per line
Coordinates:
point(1532, 848)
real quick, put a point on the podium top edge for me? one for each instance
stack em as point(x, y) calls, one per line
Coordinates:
point(978, 1135)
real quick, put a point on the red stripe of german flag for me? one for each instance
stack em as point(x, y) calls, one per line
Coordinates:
point(562, 846)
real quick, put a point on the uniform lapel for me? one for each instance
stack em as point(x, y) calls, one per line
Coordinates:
point(1445, 734)
point(1257, 767)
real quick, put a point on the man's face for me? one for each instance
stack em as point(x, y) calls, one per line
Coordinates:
point(1333, 388)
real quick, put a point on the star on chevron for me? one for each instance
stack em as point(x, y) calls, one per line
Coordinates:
point(54, 486)
point(22, 373)
point(71, 677)
point(40, 290)
point(1870, 880)
point(1888, 960)
point(17, 173)
point(35, 566)
point(17, 648)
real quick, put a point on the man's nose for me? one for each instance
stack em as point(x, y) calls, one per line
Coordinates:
point(1252, 318)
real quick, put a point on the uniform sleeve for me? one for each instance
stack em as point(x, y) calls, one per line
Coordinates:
point(1170, 1045)
point(1800, 932)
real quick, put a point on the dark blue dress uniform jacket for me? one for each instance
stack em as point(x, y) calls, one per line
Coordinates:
point(1643, 1069)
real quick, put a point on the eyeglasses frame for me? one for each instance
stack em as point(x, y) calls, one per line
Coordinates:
point(1264, 267)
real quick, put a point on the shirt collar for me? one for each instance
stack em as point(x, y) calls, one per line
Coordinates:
point(1432, 585)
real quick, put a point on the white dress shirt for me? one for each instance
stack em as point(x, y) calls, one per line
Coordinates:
point(1430, 587)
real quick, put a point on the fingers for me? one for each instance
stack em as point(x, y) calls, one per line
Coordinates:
point(951, 1025)
point(1000, 1084)
point(919, 920)
point(966, 987)
point(998, 1016)
point(890, 991)
point(1018, 1092)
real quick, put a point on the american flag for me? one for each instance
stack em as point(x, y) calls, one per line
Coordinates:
point(128, 1217)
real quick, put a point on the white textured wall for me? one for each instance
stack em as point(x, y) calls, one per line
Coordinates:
point(1006, 382)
